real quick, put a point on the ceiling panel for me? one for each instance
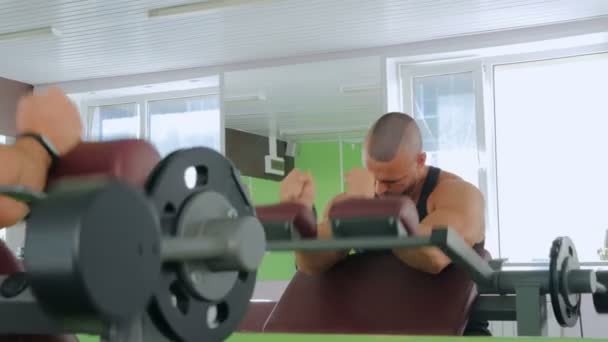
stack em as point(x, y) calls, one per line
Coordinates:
point(103, 38)
point(302, 101)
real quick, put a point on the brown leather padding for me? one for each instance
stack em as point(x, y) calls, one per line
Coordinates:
point(302, 217)
point(130, 160)
point(257, 314)
point(402, 207)
point(375, 293)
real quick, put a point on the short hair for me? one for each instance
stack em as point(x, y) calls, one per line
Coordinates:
point(389, 133)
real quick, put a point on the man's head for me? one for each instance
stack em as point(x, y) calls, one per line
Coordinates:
point(393, 153)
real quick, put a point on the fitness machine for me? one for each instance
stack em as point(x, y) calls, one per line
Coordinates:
point(173, 263)
point(504, 295)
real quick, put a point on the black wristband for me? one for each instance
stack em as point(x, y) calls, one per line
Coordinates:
point(45, 143)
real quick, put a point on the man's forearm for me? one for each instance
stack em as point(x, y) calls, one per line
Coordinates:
point(426, 259)
point(319, 262)
point(24, 163)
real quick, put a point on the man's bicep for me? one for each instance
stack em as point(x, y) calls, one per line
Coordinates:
point(462, 209)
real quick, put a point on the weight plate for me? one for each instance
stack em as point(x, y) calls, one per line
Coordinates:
point(563, 258)
point(177, 311)
point(93, 251)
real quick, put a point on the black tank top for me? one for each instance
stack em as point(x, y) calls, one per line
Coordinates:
point(475, 327)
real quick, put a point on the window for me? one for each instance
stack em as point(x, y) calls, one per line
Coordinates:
point(185, 122)
point(111, 122)
point(447, 103)
point(444, 107)
point(550, 146)
point(2, 139)
point(170, 121)
point(444, 102)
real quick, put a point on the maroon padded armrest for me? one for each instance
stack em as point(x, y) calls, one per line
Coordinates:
point(402, 207)
point(257, 314)
point(8, 261)
point(375, 293)
point(130, 160)
point(302, 217)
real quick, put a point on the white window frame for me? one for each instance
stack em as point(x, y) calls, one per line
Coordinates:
point(142, 101)
point(489, 65)
point(406, 74)
point(483, 69)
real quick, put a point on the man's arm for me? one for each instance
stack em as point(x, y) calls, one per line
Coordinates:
point(314, 263)
point(455, 204)
point(318, 262)
point(25, 163)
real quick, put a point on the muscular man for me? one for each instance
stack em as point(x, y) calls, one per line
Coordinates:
point(396, 166)
point(54, 118)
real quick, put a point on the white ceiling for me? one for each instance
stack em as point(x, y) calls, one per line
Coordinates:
point(103, 38)
point(306, 101)
point(210, 82)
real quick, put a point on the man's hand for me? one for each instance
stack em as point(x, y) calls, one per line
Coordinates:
point(52, 115)
point(298, 187)
point(360, 183)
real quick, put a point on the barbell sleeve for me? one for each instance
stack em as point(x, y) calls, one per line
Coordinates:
point(232, 244)
point(197, 248)
point(582, 281)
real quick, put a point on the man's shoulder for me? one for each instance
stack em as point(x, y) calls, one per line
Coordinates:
point(452, 187)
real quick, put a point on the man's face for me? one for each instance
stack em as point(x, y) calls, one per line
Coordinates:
point(398, 176)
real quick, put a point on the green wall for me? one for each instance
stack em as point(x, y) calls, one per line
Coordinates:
point(323, 161)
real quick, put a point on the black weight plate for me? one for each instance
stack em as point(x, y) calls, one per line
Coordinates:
point(176, 311)
point(563, 257)
point(93, 251)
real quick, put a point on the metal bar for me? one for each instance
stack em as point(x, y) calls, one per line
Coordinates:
point(495, 308)
point(180, 249)
point(463, 255)
point(348, 243)
point(22, 314)
point(531, 308)
point(581, 281)
point(506, 282)
point(546, 264)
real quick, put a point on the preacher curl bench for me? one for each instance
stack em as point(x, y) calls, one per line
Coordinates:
point(140, 256)
point(375, 293)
